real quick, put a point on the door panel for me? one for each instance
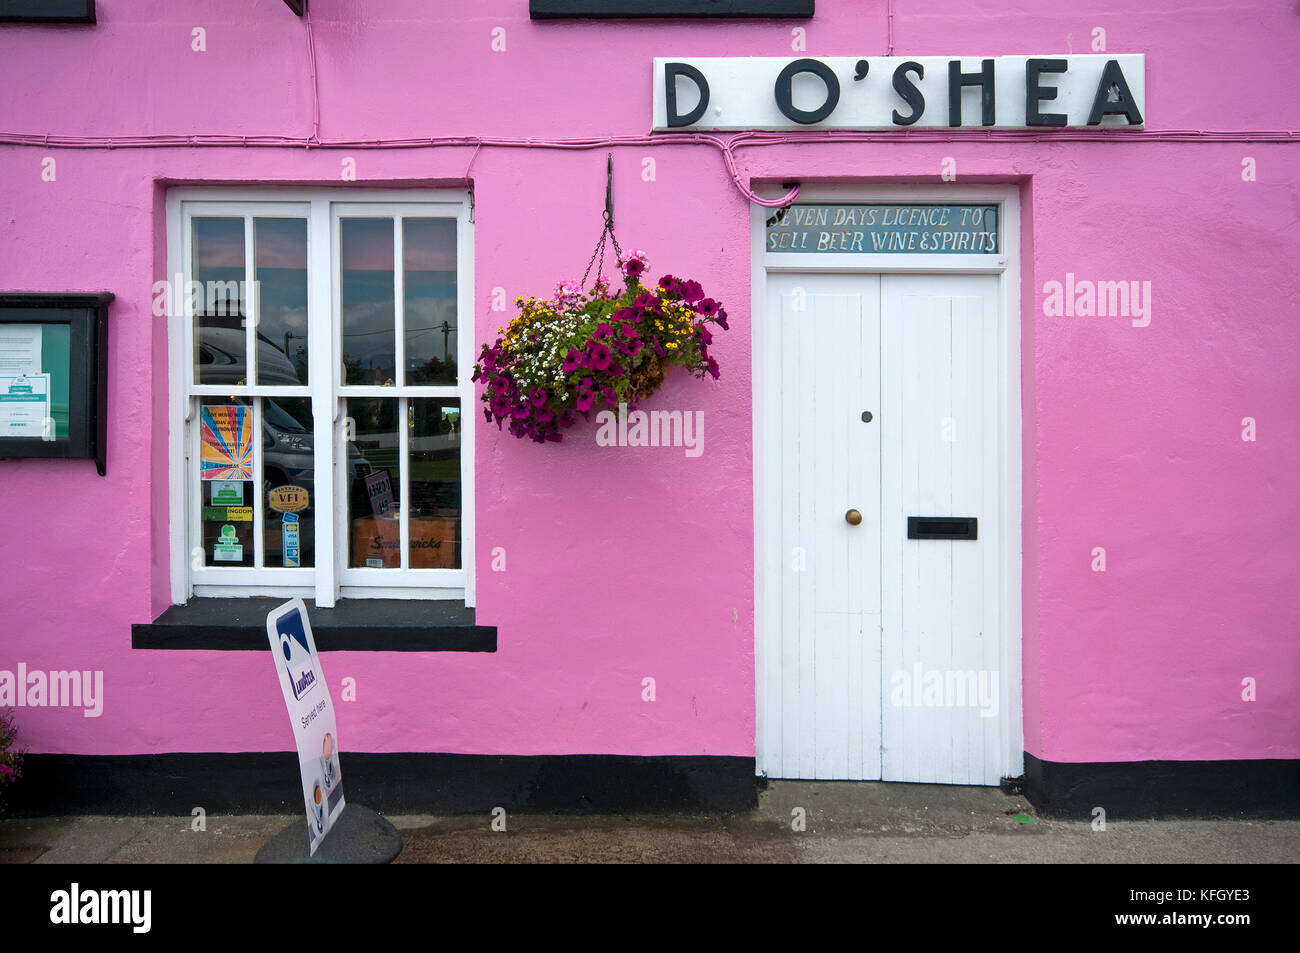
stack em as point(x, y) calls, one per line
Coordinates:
point(941, 685)
point(823, 725)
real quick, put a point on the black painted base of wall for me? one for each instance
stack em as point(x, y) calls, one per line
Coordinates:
point(268, 783)
point(1138, 790)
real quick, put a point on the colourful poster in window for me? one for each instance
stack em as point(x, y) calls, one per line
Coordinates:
point(226, 433)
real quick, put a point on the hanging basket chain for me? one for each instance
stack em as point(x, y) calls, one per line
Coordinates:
point(606, 233)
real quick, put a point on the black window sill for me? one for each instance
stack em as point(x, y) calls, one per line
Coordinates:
point(353, 625)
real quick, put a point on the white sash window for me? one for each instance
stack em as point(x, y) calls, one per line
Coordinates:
point(321, 406)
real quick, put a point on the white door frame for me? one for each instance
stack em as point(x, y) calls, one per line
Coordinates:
point(766, 376)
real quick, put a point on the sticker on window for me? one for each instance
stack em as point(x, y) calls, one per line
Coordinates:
point(227, 548)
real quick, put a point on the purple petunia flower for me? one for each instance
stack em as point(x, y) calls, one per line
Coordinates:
point(537, 397)
point(521, 411)
point(712, 368)
point(573, 360)
point(690, 291)
point(722, 320)
point(501, 405)
point(585, 400)
point(702, 332)
point(633, 263)
point(615, 369)
point(666, 282)
point(603, 330)
point(708, 307)
point(600, 356)
point(500, 383)
point(543, 415)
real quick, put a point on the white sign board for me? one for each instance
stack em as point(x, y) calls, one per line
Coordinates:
point(1098, 90)
point(312, 712)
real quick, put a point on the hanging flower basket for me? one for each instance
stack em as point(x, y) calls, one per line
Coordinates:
point(564, 355)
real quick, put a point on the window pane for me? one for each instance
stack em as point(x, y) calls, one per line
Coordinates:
point(429, 296)
point(433, 445)
point(288, 487)
point(220, 352)
point(375, 486)
point(280, 260)
point(225, 482)
point(366, 301)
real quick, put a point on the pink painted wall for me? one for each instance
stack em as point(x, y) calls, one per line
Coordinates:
point(623, 565)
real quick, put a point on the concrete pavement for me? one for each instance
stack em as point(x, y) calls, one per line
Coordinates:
point(854, 822)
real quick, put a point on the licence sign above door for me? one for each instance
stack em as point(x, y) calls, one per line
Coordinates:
point(924, 229)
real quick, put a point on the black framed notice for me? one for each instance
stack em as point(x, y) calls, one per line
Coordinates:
point(53, 376)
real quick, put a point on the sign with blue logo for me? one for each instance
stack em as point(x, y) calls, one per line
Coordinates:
point(290, 533)
point(311, 710)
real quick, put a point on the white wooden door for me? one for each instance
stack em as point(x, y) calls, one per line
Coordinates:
point(941, 681)
point(864, 619)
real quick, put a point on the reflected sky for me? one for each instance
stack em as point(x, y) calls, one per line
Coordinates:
point(366, 295)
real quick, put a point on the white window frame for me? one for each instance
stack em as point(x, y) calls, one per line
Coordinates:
point(330, 579)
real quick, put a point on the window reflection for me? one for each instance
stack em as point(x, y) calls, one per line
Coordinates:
point(433, 447)
point(429, 299)
point(366, 291)
point(280, 261)
point(217, 301)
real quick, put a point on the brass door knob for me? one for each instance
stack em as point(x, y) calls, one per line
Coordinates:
point(853, 517)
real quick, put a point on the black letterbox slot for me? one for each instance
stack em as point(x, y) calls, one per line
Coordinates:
point(941, 527)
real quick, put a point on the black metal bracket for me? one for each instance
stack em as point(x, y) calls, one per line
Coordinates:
point(609, 189)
